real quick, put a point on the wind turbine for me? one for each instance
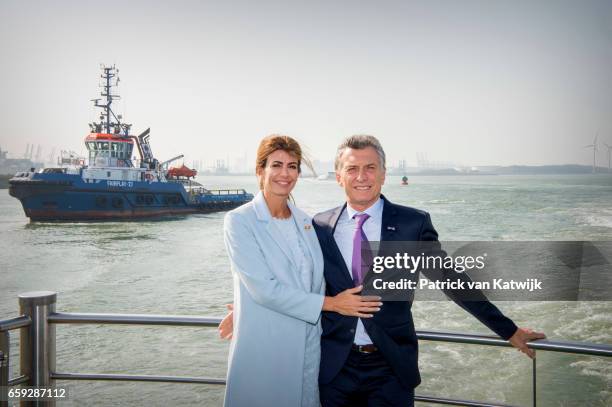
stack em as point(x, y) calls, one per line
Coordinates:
point(594, 146)
point(609, 154)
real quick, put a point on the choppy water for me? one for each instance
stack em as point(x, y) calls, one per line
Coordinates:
point(179, 266)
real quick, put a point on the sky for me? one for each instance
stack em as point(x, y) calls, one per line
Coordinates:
point(465, 82)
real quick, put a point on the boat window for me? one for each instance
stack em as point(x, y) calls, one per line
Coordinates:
point(53, 170)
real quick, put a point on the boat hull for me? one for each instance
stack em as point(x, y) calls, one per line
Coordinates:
point(68, 198)
point(50, 215)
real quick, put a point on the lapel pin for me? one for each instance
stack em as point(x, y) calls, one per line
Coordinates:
point(391, 228)
point(307, 227)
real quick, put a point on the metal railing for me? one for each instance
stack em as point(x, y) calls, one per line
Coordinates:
point(37, 348)
point(227, 191)
point(199, 190)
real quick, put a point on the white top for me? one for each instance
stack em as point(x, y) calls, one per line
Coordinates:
point(300, 256)
point(343, 235)
point(304, 264)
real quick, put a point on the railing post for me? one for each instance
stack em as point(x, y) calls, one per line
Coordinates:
point(5, 344)
point(533, 384)
point(37, 342)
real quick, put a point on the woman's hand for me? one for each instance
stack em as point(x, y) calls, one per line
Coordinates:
point(350, 303)
point(226, 327)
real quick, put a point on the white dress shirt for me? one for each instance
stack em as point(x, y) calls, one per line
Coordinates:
point(343, 235)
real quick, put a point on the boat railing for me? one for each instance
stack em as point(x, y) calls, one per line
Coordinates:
point(205, 191)
point(38, 343)
point(227, 191)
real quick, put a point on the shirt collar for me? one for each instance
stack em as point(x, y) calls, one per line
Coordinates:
point(375, 210)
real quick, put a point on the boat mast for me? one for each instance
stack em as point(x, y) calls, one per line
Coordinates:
point(108, 73)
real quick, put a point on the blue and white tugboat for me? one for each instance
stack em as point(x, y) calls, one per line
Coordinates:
point(112, 185)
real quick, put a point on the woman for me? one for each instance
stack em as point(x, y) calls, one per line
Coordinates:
point(279, 290)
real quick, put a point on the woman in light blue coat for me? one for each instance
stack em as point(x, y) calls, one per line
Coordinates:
point(279, 290)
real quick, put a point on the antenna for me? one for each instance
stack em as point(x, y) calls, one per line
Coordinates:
point(107, 124)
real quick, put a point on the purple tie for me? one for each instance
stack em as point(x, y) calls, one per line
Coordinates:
point(358, 268)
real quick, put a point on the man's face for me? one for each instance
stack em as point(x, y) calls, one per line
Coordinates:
point(361, 175)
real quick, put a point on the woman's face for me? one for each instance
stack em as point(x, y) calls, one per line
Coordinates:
point(280, 174)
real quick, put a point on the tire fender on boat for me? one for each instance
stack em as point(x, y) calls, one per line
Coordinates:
point(100, 201)
point(117, 202)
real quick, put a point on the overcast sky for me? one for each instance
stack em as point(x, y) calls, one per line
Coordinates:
point(469, 82)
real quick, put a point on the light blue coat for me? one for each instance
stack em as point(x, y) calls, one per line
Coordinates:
point(272, 308)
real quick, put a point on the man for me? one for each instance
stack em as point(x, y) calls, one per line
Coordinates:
point(373, 361)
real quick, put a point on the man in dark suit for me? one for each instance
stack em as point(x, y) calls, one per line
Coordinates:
point(373, 361)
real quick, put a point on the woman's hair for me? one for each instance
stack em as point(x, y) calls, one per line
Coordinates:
point(276, 142)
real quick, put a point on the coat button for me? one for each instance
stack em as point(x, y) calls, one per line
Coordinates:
point(352, 331)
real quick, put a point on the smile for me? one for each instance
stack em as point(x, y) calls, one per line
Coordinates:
point(363, 188)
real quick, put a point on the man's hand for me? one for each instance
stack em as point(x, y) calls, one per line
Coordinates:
point(521, 337)
point(350, 303)
point(226, 327)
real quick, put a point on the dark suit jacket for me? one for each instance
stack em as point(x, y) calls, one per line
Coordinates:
point(392, 328)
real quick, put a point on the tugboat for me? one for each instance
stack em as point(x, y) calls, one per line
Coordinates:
point(112, 185)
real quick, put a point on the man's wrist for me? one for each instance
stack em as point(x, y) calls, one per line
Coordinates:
point(329, 304)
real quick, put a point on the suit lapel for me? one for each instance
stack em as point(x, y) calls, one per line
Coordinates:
point(333, 222)
point(390, 228)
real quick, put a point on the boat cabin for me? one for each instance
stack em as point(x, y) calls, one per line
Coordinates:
point(109, 150)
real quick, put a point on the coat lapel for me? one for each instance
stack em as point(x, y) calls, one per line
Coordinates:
point(304, 224)
point(263, 214)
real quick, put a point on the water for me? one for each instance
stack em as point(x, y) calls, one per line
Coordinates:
point(179, 266)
